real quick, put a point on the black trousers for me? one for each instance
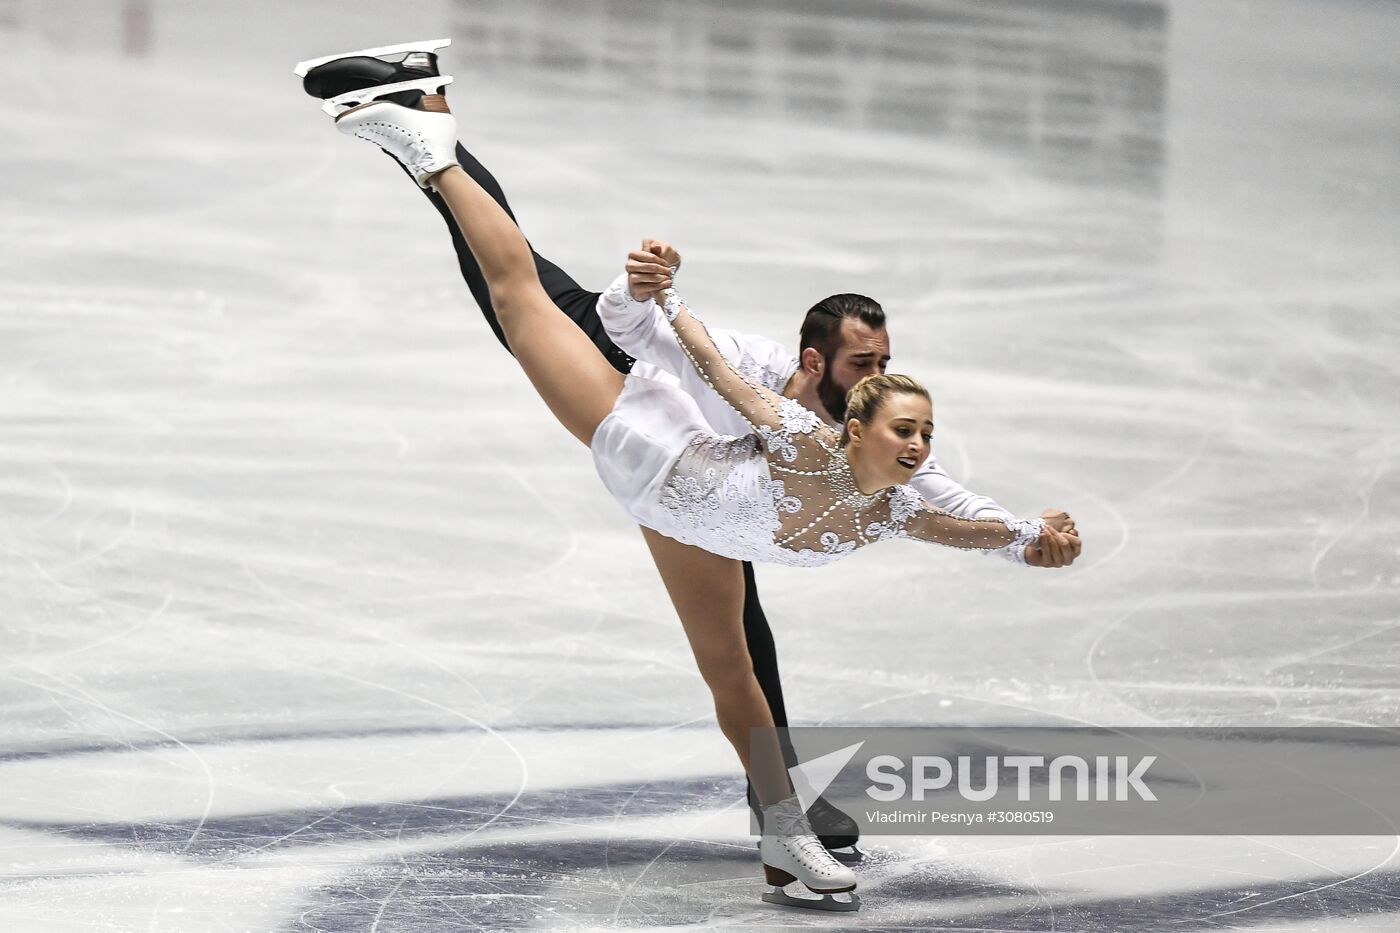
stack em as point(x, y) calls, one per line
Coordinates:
point(581, 306)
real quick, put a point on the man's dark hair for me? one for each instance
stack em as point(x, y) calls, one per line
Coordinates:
point(821, 328)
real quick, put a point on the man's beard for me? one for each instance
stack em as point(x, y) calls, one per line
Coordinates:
point(832, 396)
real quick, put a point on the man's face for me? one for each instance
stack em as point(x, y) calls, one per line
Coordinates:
point(863, 351)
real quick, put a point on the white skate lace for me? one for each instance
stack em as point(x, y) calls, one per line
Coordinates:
point(796, 834)
point(790, 821)
point(408, 147)
point(810, 851)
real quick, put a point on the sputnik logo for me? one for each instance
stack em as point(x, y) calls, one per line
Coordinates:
point(810, 779)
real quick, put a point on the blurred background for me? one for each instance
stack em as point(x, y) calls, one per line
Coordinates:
point(311, 617)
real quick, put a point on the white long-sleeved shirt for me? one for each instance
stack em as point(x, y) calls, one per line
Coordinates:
point(641, 329)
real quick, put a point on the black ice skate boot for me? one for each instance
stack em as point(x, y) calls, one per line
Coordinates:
point(401, 74)
point(836, 830)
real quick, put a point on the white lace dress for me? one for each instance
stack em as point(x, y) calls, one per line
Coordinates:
point(782, 494)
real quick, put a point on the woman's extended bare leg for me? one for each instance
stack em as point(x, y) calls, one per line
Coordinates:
point(580, 387)
point(708, 593)
point(567, 370)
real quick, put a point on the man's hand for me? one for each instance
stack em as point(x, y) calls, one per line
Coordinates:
point(1059, 543)
point(664, 251)
point(650, 269)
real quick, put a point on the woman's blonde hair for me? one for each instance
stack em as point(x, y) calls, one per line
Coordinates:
point(866, 397)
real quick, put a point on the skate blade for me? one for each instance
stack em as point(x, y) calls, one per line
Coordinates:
point(335, 106)
point(836, 902)
point(425, 45)
point(848, 856)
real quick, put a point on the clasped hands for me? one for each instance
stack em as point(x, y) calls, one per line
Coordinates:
point(1058, 545)
point(651, 268)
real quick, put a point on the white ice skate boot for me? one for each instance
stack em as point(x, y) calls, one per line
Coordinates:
point(791, 852)
point(424, 141)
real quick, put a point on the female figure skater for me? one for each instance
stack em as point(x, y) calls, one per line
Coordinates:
point(794, 491)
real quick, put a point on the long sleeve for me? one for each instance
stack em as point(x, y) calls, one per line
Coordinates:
point(640, 328)
point(921, 520)
point(777, 419)
point(946, 494)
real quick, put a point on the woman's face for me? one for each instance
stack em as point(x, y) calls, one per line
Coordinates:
point(896, 441)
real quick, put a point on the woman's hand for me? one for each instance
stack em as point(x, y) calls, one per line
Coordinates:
point(1059, 520)
point(1059, 543)
point(651, 268)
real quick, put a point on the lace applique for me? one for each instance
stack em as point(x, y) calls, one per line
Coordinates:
point(778, 442)
point(832, 544)
point(883, 531)
point(832, 548)
point(670, 304)
point(904, 504)
point(731, 447)
point(706, 492)
point(794, 419)
point(692, 499)
point(905, 501)
point(797, 419)
point(783, 502)
point(754, 371)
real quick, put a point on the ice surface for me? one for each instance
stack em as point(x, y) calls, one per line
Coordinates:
point(312, 619)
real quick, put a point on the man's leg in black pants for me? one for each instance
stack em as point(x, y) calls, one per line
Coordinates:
point(764, 655)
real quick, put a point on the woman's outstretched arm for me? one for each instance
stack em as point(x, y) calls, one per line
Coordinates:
point(759, 405)
point(926, 523)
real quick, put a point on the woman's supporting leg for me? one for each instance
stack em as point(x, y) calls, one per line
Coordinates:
point(758, 638)
point(708, 593)
point(567, 370)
